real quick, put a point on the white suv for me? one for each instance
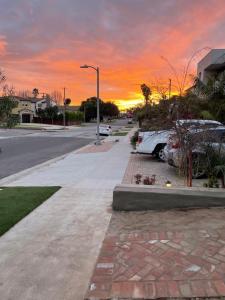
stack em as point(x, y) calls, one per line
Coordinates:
point(153, 142)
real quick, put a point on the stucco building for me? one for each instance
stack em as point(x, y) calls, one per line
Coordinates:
point(27, 107)
point(25, 110)
point(211, 66)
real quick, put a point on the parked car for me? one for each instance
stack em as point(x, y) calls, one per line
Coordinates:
point(191, 125)
point(153, 142)
point(213, 136)
point(130, 121)
point(105, 130)
point(196, 123)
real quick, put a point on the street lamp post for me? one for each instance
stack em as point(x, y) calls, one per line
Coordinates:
point(98, 142)
point(64, 107)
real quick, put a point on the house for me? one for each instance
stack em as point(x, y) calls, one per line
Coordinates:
point(24, 109)
point(211, 66)
point(27, 107)
point(42, 103)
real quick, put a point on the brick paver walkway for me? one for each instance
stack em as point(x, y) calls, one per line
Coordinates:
point(148, 166)
point(104, 147)
point(150, 255)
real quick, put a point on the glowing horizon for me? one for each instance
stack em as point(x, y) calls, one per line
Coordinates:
point(43, 45)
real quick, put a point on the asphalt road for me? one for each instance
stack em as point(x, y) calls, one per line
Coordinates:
point(20, 153)
point(22, 149)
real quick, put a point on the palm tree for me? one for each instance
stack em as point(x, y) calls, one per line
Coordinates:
point(146, 91)
point(35, 92)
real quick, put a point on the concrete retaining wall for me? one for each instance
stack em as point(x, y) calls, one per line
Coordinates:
point(137, 198)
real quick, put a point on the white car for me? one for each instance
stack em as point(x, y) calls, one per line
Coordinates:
point(192, 125)
point(153, 142)
point(214, 136)
point(105, 129)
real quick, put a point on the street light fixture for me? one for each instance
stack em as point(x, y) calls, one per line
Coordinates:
point(98, 142)
point(84, 67)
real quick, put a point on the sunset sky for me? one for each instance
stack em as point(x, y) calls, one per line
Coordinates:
point(43, 43)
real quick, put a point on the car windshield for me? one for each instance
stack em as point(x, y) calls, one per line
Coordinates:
point(212, 136)
point(197, 124)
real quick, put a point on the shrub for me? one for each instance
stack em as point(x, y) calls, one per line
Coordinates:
point(138, 178)
point(205, 114)
point(77, 116)
point(12, 121)
point(7, 118)
point(215, 166)
point(134, 139)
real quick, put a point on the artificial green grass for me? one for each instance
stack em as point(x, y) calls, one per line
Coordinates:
point(17, 202)
point(122, 133)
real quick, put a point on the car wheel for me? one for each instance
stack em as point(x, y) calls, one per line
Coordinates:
point(161, 154)
point(198, 166)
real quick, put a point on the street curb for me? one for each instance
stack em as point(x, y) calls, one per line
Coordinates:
point(27, 171)
point(137, 198)
point(14, 177)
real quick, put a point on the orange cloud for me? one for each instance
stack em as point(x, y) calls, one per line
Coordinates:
point(3, 45)
point(126, 39)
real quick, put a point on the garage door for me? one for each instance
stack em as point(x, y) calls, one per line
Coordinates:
point(25, 118)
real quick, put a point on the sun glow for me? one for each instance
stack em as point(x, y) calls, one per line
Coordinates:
point(138, 99)
point(126, 104)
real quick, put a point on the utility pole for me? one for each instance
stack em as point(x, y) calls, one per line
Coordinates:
point(98, 142)
point(170, 84)
point(64, 104)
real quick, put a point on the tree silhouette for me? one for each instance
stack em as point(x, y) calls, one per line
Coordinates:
point(35, 92)
point(146, 91)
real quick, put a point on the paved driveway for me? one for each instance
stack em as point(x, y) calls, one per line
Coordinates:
point(170, 254)
point(146, 165)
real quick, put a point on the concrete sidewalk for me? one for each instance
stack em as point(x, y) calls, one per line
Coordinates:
point(51, 253)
